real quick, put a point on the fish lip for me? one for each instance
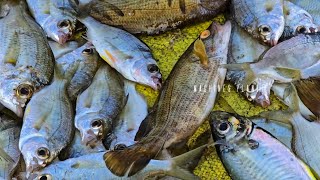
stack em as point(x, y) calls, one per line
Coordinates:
point(272, 41)
point(262, 100)
point(157, 83)
point(63, 38)
point(89, 140)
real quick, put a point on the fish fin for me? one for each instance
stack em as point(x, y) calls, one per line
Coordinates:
point(128, 161)
point(183, 160)
point(5, 156)
point(199, 50)
point(250, 75)
point(280, 116)
point(291, 73)
point(146, 125)
point(311, 173)
point(291, 91)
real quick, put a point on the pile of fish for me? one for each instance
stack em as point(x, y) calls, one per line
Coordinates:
point(69, 108)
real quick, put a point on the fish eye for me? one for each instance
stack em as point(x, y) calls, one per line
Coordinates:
point(87, 51)
point(264, 29)
point(120, 147)
point(301, 29)
point(24, 91)
point(223, 127)
point(64, 24)
point(43, 153)
point(153, 68)
point(44, 177)
point(96, 124)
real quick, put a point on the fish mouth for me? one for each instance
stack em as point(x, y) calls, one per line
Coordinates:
point(262, 100)
point(63, 38)
point(272, 41)
point(156, 83)
point(17, 109)
point(89, 140)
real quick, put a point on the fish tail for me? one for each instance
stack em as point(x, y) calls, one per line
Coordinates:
point(129, 161)
point(182, 160)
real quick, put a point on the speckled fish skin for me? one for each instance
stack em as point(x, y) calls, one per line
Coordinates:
point(134, 112)
point(249, 152)
point(58, 26)
point(92, 166)
point(305, 133)
point(313, 7)
point(124, 52)
point(263, 19)
point(77, 148)
point(24, 44)
point(182, 107)
point(79, 67)
point(244, 48)
point(297, 20)
point(59, 50)
point(47, 125)
point(9, 140)
point(99, 105)
point(139, 16)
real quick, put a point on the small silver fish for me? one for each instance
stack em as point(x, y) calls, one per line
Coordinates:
point(79, 67)
point(243, 48)
point(99, 105)
point(60, 50)
point(297, 20)
point(305, 133)
point(92, 166)
point(47, 125)
point(249, 152)
point(127, 125)
point(58, 25)
point(263, 19)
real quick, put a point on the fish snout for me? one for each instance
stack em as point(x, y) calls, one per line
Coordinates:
point(63, 38)
point(262, 100)
point(89, 138)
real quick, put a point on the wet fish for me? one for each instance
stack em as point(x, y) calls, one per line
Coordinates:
point(79, 67)
point(245, 49)
point(263, 19)
point(127, 125)
point(143, 16)
point(305, 133)
point(282, 63)
point(297, 20)
point(56, 23)
point(9, 150)
point(92, 166)
point(181, 106)
point(313, 7)
point(47, 125)
point(77, 148)
point(124, 52)
point(60, 50)
point(99, 105)
point(249, 152)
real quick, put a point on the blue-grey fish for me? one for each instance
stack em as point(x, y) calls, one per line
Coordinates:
point(249, 152)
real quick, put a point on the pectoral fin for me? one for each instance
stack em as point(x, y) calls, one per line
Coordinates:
point(289, 73)
point(200, 51)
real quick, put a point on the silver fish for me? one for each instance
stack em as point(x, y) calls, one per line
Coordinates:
point(305, 133)
point(297, 20)
point(60, 50)
point(92, 166)
point(9, 150)
point(245, 49)
point(79, 67)
point(124, 52)
point(263, 19)
point(77, 148)
point(282, 63)
point(57, 24)
point(313, 7)
point(47, 125)
point(249, 152)
point(99, 105)
point(127, 125)
point(185, 101)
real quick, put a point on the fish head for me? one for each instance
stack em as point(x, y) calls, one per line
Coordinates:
point(36, 153)
point(92, 131)
point(270, 29)
point(60, 29)
point(228, 128)
point(259, 91)
point(17, 89)
point(305, 26)
point(147, 72)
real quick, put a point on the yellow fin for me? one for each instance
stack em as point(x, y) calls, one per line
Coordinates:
point(199, 49)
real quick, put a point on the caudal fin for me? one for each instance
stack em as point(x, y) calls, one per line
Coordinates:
point(128, 161)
